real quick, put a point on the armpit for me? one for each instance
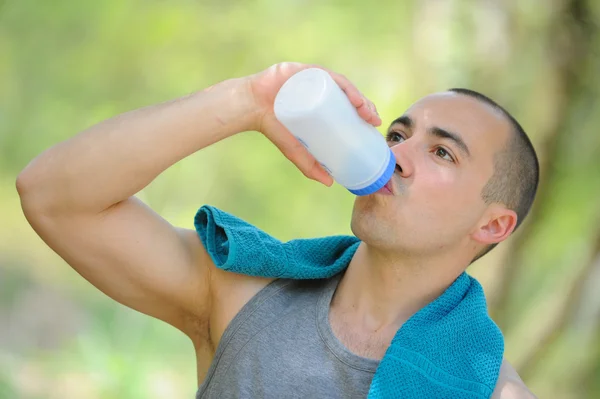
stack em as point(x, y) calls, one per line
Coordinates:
point(510, 385)
point(512, 389)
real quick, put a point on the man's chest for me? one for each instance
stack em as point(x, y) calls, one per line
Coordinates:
point(290, 357)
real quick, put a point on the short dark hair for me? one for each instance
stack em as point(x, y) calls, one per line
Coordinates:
point(516, 168)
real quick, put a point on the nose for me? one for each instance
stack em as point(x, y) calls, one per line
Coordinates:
point(404, 159)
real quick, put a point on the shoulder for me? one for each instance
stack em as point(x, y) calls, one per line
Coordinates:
point(226, 293)
point(510, 385)
point(230, 292)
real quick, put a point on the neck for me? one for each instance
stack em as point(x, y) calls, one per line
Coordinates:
point(380, 291)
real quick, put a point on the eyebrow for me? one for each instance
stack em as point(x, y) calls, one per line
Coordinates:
point(444, 134)
point(437, 132)
point(403, 120)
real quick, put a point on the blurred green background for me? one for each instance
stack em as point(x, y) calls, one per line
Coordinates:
point(65, 65)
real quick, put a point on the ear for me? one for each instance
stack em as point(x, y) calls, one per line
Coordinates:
point(496, 225)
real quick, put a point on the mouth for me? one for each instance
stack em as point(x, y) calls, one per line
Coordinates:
point(389, 188)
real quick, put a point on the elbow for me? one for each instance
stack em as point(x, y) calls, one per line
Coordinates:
point(30, 191)
point(36, 212)
point(23, 184)
point(43, 193)
point(26, 191)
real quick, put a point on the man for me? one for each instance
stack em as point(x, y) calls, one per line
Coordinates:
point(466, 176)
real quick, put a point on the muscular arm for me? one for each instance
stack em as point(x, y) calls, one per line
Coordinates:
point(79, 197)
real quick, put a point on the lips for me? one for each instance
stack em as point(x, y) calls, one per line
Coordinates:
point(387, 189)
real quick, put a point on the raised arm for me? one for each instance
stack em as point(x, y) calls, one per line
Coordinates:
point(79, 196)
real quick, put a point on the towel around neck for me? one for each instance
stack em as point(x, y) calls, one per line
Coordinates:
point(451, 348)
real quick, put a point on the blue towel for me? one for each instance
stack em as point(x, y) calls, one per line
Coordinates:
point(449, 349)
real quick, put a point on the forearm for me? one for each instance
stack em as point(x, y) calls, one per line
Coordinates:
point(115, 159)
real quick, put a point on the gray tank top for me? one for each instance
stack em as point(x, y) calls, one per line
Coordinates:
point(280, 345)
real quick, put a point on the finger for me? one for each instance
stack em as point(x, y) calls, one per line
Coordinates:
point(353, 94)
point(371, 114)
point(293, 150)
point(368, 112)
point(366, 109)
point(375, 119)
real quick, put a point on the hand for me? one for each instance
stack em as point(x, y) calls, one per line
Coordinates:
point(265, 85)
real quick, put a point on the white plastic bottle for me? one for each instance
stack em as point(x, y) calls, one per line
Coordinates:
point(318, 113)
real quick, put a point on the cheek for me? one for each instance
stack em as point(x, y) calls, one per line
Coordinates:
point(436, 185)
point(445, 194)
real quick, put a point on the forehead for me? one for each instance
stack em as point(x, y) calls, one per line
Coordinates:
point(483, 128)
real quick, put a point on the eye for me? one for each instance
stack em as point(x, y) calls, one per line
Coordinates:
point(442, 153)
point(395, 137)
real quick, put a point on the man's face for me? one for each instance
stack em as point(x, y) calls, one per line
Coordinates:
point(444, 146)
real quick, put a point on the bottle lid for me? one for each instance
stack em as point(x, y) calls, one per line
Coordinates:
point(382, 181)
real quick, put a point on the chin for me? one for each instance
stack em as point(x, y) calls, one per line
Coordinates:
point(371, 225)
point(374, 208)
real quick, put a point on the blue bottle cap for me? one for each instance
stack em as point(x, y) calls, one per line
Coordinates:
point(383, 179)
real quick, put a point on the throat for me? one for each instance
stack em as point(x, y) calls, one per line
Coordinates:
point(358, 339)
